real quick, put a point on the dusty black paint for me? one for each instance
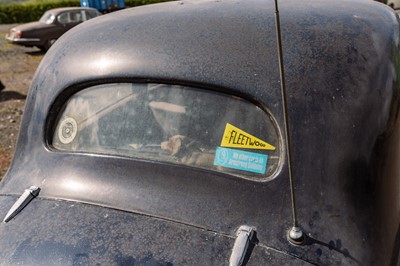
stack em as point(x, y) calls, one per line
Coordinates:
point(341, 60)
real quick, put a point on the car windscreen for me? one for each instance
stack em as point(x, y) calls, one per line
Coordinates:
point(170, 123)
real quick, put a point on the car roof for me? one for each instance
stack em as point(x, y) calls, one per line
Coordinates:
point(199, 31)
point(63, 9)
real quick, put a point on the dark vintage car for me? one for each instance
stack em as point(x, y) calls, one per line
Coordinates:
point(53, 24)
point(169, 138)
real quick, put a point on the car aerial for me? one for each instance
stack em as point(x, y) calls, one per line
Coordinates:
point(52, 24)
point(212, 133)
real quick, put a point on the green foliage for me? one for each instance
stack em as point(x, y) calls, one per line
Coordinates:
point(32, 10)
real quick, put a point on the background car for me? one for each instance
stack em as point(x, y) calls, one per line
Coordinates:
point(164, 139)
point(53, 24)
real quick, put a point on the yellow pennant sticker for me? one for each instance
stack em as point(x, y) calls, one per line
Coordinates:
point(237, 138)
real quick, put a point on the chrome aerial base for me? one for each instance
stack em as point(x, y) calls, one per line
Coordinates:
point(296, 236)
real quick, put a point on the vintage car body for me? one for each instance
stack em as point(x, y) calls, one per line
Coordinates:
point(53, 24)
point(105, 206)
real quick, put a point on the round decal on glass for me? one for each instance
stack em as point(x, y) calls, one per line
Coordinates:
point(67, 130)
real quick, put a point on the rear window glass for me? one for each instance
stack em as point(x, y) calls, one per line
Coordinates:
point(47, 18)
point(169, 123)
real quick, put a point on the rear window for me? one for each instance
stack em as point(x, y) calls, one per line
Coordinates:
point(169, 123)
point(47, 18)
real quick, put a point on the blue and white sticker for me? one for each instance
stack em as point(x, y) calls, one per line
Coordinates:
point(241, 160)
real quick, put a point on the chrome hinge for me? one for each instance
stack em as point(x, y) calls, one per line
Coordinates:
point(244, 236)
point(23, 200)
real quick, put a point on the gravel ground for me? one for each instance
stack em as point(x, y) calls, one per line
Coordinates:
point(17, 67)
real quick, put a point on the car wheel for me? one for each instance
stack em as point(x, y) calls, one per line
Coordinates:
point(48, 44)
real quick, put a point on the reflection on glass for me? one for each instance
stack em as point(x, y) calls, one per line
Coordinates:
point(47, 18)
point(170, 123)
